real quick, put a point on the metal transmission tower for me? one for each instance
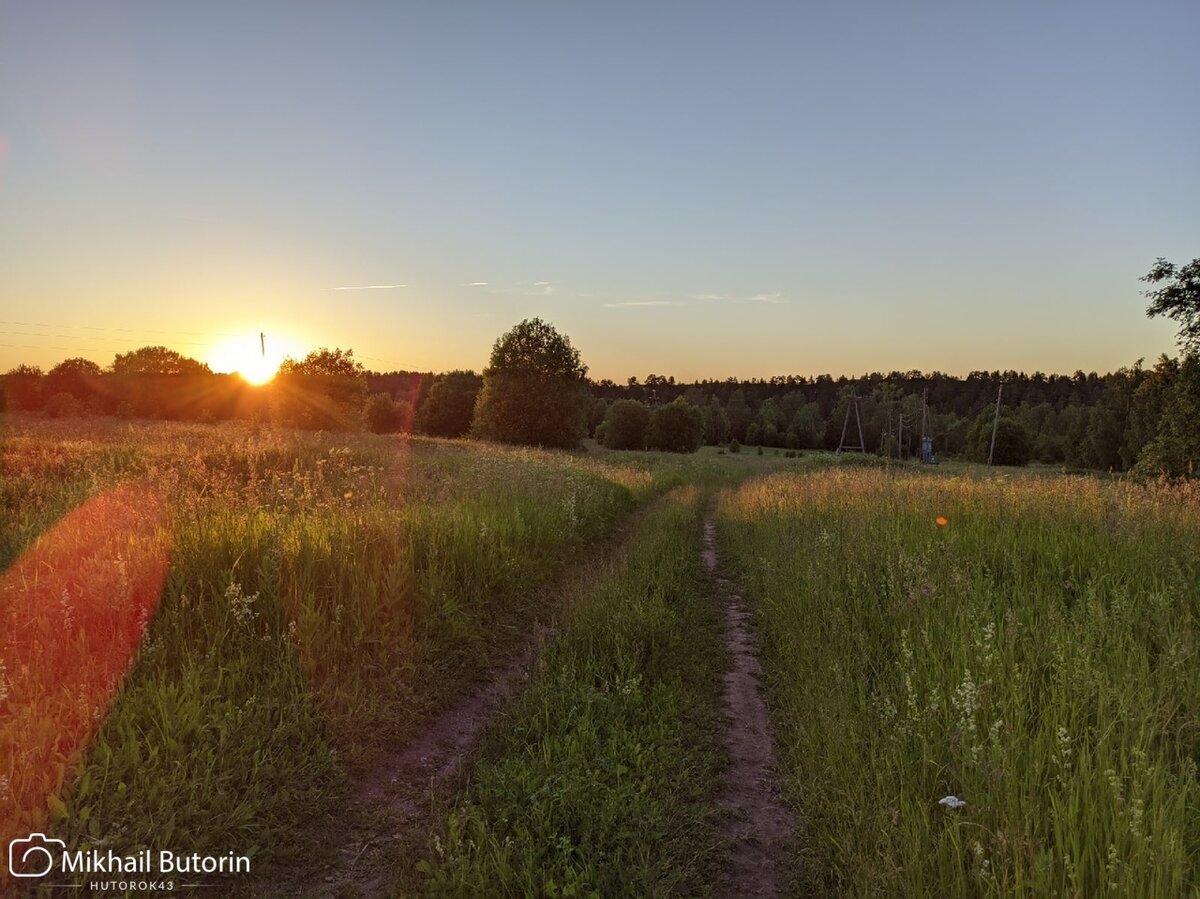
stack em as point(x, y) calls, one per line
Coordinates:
point(861, 447)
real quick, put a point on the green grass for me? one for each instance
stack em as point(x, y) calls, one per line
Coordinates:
point(597, 779)
point(324, 592)
point(1036, 657)
point(232, 620)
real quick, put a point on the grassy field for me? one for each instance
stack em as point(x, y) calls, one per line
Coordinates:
point(208, 627)
point(1027, 645)
point(598, 779)
point(292, 601)
point(210, 631)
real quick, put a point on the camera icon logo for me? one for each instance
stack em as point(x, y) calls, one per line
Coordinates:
point(33, 856)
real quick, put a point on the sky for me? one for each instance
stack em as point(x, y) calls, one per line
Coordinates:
point(685, 188)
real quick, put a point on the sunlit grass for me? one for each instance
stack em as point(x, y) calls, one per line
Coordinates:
point(1028, 645)
point(323, 594)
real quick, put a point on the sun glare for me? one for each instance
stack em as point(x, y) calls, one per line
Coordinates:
point(245, 356)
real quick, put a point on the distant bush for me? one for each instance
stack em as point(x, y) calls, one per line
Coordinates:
point(860, 460)
point(23, 388)
point(450, 405)
point(385, 415)
point(1012, 440)
point(63, 405)
point(625, 425)
point(734, 446)
point(677, 427)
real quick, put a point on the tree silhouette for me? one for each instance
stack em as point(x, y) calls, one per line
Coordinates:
point(325, 390)
point(534, 389)
point(450, 405)
point(1179, 298)
point(625, 424)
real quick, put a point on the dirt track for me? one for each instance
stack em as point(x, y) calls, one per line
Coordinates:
point(759, 832)
point(362, 850)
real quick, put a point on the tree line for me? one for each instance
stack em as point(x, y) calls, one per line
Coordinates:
point(535, 390)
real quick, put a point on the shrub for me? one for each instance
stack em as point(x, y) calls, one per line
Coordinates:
point(385, 415)
point(625, 425)
point(677, 427)
point(63, 405)
point(734, 446)
point(1012, 440)
point(450, 405)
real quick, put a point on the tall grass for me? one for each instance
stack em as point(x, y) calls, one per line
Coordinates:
point(1035, 656)
point(597, 780)
point(321, 594)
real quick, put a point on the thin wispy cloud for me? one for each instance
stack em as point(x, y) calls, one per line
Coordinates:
point(706, 296)
point(476, 284)
point(773, 298)
point(644, 303)
point(524, 288)
point(372, 287)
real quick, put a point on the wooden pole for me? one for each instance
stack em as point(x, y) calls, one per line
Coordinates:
point(995, 422)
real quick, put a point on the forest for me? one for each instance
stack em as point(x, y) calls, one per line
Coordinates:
point(1140, 418)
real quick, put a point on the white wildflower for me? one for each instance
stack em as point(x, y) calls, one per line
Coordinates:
point(241, 603)
point(952, 802)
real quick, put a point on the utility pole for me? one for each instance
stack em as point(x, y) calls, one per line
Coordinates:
point(262, 342)
point(995, 422)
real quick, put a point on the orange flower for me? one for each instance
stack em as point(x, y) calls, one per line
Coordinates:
point(942, 521)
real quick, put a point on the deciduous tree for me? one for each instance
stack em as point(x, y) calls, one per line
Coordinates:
point(1178, 298)
point(534, 389)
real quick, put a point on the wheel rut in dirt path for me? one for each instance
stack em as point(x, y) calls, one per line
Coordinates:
point(391, 807)
point(759, 833)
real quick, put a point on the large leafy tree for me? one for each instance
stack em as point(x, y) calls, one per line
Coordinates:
point(154, 381)
point(1175, 449)
point(156, 360)
point(535, 389)
point(677, 427)
point(325, 390)
point(625, 424)
point(1178, 298)
point(23, 388)
point(78, 377)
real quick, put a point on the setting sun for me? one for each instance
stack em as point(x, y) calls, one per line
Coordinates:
point(245, 355)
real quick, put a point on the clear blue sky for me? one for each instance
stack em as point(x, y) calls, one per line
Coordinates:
point(694, 189)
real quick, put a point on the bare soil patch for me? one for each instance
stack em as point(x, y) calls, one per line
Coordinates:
point(759, 830)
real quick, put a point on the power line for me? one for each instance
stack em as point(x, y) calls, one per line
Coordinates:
point(167, 333)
